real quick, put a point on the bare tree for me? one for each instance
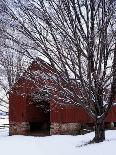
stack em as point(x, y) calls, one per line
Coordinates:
point(12, 63)
point(77, 38)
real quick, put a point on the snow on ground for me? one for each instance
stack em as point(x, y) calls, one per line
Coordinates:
point(4, 120)
point(56, 145)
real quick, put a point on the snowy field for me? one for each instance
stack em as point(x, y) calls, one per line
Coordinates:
point(4, 120)
point(56, 145)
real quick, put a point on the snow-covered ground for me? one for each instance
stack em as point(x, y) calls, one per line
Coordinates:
point(56, 145)
point(4, 120)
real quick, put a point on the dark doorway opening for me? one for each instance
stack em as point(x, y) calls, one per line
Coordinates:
point(35, 126)
point(42, 126)
point(114, 124)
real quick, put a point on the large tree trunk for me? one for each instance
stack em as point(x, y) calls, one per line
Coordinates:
point(99, 131)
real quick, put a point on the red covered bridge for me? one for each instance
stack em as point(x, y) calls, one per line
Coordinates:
point(27, 115)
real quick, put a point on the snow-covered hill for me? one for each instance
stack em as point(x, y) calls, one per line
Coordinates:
point(56, 145)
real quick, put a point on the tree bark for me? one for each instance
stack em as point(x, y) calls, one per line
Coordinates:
point(99, 131)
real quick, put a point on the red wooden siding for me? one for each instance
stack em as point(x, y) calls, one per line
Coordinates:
point(112, 115)
point(68, 114)
point(73, 114)
point(17, 108)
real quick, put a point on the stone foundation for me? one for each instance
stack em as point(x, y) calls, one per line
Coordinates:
point(65, 128)
point(17, 128)
point(23, 128)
